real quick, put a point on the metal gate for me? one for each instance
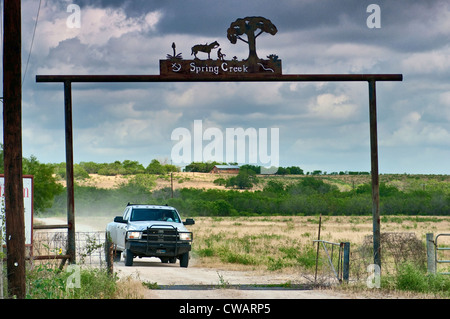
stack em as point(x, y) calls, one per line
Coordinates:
point(342, 271)
point(433, 250)
point(437, 249)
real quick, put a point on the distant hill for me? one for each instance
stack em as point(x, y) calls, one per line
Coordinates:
point(403, 182)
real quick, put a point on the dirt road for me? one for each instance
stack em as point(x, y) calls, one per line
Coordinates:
point(211, 283)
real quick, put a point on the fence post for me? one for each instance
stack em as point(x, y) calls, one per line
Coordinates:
point(431, 256)
point(109, 254)
point(346, 266)
point(317, 254)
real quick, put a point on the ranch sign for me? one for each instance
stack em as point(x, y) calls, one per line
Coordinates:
point(216, 63)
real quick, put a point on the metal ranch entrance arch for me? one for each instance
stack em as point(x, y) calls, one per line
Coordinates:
point(253, 69)
point(67, 80)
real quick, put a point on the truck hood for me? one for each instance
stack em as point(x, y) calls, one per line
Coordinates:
point(142, 225)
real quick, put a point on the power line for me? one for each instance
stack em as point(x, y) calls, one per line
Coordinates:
point(32, 41)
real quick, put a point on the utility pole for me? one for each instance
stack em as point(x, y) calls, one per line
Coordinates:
point(12, 140)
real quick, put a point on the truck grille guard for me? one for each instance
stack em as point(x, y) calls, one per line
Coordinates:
point(163, 234)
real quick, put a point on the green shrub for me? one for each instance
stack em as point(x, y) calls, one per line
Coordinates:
point(236, 258)
point(220, 181)
point(47, 282)
point(307, 257)
point(412, 278)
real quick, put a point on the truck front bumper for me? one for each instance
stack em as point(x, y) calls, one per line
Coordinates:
point(154, 249)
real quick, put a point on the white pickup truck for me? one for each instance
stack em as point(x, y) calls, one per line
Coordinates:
point(150, 231)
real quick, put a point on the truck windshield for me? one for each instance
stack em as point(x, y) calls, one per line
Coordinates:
point(154, 214)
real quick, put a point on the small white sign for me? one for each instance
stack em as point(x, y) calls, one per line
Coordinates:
point(27, 203)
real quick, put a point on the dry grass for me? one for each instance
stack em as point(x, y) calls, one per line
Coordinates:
point(262, 237)
point(262, 244)
point(279, 243)
point(130, 288)
point(304, 229)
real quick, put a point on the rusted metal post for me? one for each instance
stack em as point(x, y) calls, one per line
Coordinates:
point(69, 171)
point(374, 170)
point(12, 139)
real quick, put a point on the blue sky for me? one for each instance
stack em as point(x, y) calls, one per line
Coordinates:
point(322, 126)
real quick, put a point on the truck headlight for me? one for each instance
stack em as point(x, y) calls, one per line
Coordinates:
point(134, 235)
point(185, 236)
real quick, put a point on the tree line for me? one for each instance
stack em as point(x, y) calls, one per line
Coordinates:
point(127, 167)
point(308, 195)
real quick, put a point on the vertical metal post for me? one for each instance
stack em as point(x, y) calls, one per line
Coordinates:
point(346, 266)
point(431, 253)
point(69, 171)
point(375, 177)
point(109, 252)
point(171, 183)
point(12, 139)
point(317, 253)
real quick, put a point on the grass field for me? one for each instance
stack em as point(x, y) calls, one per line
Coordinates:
point(285, 243)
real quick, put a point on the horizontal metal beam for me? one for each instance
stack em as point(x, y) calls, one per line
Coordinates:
point(50, 226)
point(44, 257)
point(212, 78)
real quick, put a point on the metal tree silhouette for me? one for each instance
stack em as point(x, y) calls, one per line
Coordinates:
point(249, 26)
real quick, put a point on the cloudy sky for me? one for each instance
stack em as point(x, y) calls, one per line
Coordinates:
point(322, 126)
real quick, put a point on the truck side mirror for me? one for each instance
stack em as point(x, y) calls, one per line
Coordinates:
point(119, 219)
point(189, 221)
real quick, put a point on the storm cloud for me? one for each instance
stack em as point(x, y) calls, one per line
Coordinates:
point(322, 125)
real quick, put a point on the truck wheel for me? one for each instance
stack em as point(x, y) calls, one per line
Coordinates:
point(184, 260)
point(117, 256)
point(128, 258)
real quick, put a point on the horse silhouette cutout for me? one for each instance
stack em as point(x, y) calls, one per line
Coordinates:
point(204, 48)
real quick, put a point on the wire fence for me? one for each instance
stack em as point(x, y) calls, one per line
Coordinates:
point(330, 263)
point(90, 246)
point(50, 248)
point(397, 248)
